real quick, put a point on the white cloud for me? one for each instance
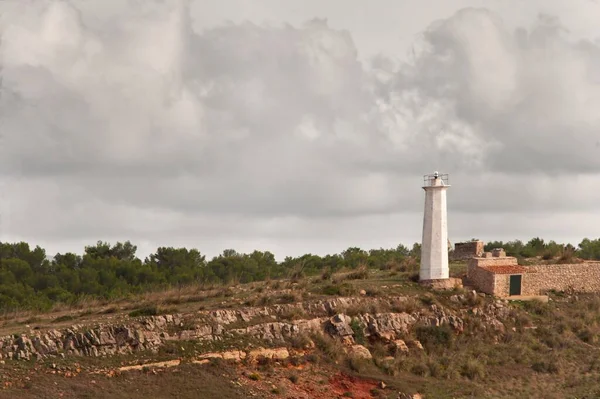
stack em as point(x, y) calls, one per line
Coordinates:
point(273, 134)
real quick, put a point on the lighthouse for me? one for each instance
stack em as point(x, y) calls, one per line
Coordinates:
point(434, 246)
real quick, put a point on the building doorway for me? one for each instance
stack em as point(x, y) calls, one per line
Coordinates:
point(515, 285)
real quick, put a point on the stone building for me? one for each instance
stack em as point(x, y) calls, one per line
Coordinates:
point(467, 250)
point(500, 275)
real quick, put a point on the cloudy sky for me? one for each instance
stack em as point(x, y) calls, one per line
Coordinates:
point(296, 126)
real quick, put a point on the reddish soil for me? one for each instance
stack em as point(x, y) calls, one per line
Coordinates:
point(360, 388)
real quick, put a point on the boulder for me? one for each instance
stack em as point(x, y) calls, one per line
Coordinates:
point(400, 346)
point(359, 352)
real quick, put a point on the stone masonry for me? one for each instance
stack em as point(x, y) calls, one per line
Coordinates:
point(467, 250)
point(539, 279)
point(487, 271)
point(490, 273)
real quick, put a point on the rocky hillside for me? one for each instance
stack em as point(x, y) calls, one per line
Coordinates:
point(375, 336)
point(383, 320)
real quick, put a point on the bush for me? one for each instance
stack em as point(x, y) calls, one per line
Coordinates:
point(537, 307)
point(427, 300)
point(547, 255)
point(548, 367)
point(472, 369)
point(254, 376)
point(150, 310)
point(63, 318)
point(326, 275)
point(329, 347)
point(388, 266)
point(301, 341)
point(288, 298)
point(408, 305)
point(359, 365)
point(293, 314)
point(359, 335)
point(433, 337)
point(587, 336)
point(419, 369)
point(343, 289)
point(362, 273)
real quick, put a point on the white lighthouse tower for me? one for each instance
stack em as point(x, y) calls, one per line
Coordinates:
point(434, 247)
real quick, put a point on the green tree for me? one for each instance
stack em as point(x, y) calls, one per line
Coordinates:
point(589, 249)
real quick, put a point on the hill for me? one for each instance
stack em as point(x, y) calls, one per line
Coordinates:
point(354, 333)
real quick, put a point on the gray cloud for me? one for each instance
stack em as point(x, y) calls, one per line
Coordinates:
point(259, 134)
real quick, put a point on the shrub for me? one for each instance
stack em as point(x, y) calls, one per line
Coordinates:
point(254, 376)
point(111, 310)
point(292, 314)
point(587, 336)
point(63, 318)
point(359, 335)
point(312, 358)
point(288, 298)
point(537, 307)
point(549, 337)
point(301, 341)
point(547, 255)
point(265, 300)
point(329, 347)
point(435, 369)
point(389, 265)
point(408, 305)
point(432, 337)
point(356, 309)
point(548, 367)
point(151, 310)
point(362, 273)
point(472, 369)
point(344, 289)
point(427, 300)
point(419, 369)
point(358, 365)
point(326, 275)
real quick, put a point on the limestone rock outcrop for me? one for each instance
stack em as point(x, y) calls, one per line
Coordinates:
point(269, 324)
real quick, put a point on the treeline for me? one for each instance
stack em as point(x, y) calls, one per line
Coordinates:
point(537, 247)
point(28, 279)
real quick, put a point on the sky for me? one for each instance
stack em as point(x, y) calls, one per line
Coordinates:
point(296, 126)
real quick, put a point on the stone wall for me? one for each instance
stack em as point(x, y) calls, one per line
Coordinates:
point(502, 284)
point(498, 253)
point(579, 277)
point(539, 279)
point(505, 261)
point(467, 250)
point(480, 278)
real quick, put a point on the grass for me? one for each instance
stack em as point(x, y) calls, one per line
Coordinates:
point(556, 359)
point(187, 382)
